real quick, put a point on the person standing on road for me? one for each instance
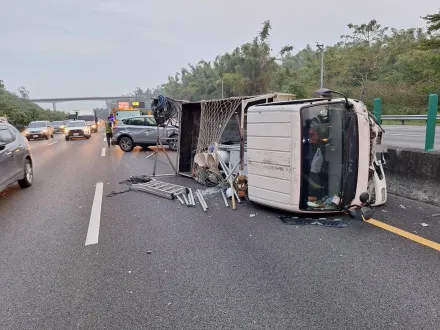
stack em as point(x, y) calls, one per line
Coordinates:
point(109, 131)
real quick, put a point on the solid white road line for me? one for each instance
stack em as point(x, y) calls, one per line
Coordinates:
point(103, 152)
point(52, 143)
point(95, 216)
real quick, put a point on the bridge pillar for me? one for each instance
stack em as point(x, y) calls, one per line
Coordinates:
point(54, 106)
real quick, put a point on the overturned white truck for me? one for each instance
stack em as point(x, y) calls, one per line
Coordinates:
point(315, 155)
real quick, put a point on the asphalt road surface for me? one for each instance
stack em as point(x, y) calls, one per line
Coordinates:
point(222, 269)
point(406, 136)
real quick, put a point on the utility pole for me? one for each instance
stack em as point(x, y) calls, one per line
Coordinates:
point(222, 87)
point(321, 48)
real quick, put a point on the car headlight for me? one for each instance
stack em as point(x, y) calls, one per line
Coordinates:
point(62, 126)
point(93, 126)
point(66, 130)
point(44, 130)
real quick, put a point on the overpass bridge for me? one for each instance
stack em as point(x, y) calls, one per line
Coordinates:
point(54, 101)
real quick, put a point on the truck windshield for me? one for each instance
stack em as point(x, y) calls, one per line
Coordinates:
point(323, 144)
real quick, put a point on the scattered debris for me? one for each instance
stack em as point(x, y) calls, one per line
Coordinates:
point(337, 223)
point(224, 198)
point(149, 252)
point(385, 211)
point(191, 197)
point(146, 184)
point(424, 224)
point(180, 199)
point(252, 215)
point(136, 179)
point(185, 198)
point(402, 207)
point(208, 192)
point(201, 200)
point(436, 215)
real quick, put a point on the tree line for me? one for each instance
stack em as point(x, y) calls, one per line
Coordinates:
point(20, 111)
point(399, 66)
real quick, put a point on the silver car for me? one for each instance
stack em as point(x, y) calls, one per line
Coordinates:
point(142, 131)
point(15, 158)
point(39, 130)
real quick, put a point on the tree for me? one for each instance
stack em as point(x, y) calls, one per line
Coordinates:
point(433, 22)
point(433, 30)
point(365, 33)
point(24, 93)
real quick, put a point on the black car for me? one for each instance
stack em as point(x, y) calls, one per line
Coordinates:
point(15, 158)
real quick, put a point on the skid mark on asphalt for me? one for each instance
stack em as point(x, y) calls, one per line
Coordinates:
point(95, 216)
point(403, 233)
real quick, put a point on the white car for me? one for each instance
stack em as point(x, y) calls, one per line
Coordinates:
point(77, 129)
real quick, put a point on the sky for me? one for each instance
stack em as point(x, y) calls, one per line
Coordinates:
point(73, 48)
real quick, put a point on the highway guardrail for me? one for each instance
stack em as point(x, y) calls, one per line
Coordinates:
point(403, 118)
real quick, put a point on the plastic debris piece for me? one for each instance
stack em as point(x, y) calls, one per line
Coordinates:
point(402, 207)
point(149, 252)
point(385, 211)
point(424, 224)
point(252, 215)
point(337, 223)
point(224, 198)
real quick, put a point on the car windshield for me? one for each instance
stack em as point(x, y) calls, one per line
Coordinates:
point(66, 122)
point(87, 117)
point(322, 156)
point(57, 123)
point(35, 124)
point(76, 124)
